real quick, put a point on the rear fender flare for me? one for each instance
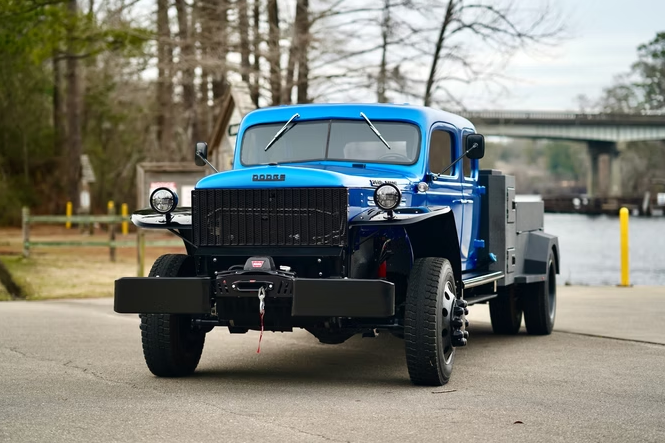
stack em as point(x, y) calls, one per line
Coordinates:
point(537, 252)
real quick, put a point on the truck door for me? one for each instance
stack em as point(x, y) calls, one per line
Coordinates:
point(471, 210)
point(445, 189)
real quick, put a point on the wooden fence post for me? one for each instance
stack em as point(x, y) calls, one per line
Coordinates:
point(25, 221)
point(140, 251)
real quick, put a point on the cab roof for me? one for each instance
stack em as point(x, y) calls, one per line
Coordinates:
point(421, 115)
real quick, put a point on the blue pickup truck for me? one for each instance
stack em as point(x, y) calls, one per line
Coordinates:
point(345, 219)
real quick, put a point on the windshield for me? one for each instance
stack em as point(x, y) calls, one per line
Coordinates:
point(343, 140)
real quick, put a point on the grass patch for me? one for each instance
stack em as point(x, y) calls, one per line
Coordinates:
point(19, 269)
point(71, 271)
point(53, 276)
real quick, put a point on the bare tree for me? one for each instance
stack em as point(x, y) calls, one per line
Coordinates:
point(220, 49)
point(187, 63)
point(59, 129)
point(256, 43)
point(298, 51)
point(418, 49)
point(74, 144)
point(243, 30)
point(164, 78)
point(502, 27)
point(302, 26)
point(274, 52)
point(385, 35)
point(437, 52)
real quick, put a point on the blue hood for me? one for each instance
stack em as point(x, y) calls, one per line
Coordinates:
point(304, 176)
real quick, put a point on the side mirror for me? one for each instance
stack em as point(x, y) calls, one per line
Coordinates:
point(475, 146)
point(233, 129)
point(201, 153)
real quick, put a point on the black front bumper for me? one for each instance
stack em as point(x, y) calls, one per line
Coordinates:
point(309, 297)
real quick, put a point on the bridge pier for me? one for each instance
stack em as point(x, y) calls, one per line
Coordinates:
point(604, 179)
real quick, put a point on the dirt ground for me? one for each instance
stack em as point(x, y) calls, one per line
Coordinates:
point(70, 271)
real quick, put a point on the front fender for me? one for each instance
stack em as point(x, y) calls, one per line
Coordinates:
point(180, 218)
point(431, 232)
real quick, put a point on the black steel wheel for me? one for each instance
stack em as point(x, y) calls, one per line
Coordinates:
point(171, 346)
point(506, 312)
point(540, 304)
point(434, 322)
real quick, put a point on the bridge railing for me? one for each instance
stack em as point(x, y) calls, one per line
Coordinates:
point(643, 117)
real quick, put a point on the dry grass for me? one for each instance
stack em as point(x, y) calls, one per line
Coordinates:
point(71, 272)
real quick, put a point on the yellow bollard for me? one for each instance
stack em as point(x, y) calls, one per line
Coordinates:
point(110, 205)
point(625, 271)
point(68, 212)
point(124, 212)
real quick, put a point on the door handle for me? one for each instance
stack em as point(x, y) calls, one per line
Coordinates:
point(463, 201)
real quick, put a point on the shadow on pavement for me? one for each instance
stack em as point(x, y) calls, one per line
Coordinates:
point(358, 362)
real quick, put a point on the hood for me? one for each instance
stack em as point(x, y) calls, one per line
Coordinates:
point(304, 176)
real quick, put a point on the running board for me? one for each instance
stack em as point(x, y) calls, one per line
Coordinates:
point(481, 279)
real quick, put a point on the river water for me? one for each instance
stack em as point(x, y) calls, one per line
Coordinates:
point(590, 250)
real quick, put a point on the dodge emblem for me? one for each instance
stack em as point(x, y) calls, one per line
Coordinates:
point(268, 177)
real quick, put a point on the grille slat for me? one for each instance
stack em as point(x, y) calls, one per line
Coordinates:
point(270, 217)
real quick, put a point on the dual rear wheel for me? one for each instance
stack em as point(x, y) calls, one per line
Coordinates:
point(536, 300)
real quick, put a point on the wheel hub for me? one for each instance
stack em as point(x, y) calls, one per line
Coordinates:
point(459, 323)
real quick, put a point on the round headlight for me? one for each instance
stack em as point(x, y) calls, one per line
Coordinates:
point(387, 196)
point(163, 200)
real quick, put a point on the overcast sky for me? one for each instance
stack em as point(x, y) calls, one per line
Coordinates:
point(604, 35)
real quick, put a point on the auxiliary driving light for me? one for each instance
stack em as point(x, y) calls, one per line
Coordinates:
point(387, 196)
point(163, 200)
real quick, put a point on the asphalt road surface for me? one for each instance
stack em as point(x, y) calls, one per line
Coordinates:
point(74, 371)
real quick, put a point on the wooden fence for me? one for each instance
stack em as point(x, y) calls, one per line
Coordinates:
point(112, 220)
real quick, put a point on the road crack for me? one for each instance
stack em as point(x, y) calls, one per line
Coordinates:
point(629, 340)
point(87, 371)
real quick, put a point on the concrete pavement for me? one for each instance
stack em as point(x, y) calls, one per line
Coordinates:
point(73, 370)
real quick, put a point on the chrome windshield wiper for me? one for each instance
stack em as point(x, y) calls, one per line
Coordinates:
point(282, 131)
point(376, 131)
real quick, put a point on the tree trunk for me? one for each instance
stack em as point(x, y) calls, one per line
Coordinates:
point(274, 53)
point(256, 43)
point(204, 13)
point(59, 135)
point(187, 68)
point(73, 144)
point(437, 52)
point(220, 49)
point(59, 128)
point(164, 79)
point(243, 30)
point(385, 34)
point(303, 60)
point(299, 45)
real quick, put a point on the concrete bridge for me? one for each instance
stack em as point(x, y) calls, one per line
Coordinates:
point(606, 136)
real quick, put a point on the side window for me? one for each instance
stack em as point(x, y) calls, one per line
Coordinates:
point(467, 167)
point(467, 164)
point(440, 152)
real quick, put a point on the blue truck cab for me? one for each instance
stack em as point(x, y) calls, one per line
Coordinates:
point(346, 219)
